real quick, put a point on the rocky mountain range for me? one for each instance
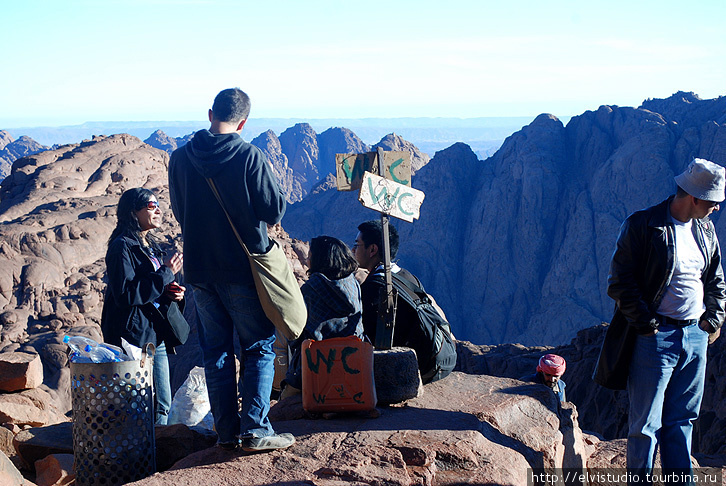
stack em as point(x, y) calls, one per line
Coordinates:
point(516, 248)
point(302, 158)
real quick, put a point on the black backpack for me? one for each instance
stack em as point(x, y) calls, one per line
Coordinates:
point(430, 335)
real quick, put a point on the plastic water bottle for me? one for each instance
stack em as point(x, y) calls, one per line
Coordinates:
point(118, 352)
point(79, 357)
point(77, 343)
point(99, 354)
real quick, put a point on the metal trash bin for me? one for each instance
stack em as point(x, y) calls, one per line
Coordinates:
point(113, 421)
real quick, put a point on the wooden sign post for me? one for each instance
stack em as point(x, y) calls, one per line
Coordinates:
point(386, 302)
point(390, 193)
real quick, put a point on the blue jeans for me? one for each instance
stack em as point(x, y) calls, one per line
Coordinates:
point(665, 387)
point(162, 385)
point(221, 309)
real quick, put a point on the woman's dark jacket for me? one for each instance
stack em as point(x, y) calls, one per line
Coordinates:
point(640, 271)
point(334, 310)
point(133, 286)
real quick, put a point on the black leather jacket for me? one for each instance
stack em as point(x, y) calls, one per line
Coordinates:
point(643, 265)
point(641, 269)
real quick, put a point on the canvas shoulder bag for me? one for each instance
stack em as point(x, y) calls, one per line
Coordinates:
point(276, 285)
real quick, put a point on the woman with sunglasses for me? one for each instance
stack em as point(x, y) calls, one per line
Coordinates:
point(141, 286)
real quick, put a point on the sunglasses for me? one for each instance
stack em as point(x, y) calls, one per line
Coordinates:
point(152, 205)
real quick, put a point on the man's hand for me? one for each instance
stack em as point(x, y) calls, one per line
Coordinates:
point(653, 333)
point(712, 336)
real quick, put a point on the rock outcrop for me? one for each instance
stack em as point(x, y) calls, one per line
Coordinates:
point(270, 145)
point(516, 248)
point(337, 141)
point(601, 411)
point(11, 150)
point(396, 143)
point(302, 158)
point(300, 144)
point(20, 371)
point(162, 141)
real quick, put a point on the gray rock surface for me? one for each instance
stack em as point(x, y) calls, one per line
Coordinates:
point(37, 443)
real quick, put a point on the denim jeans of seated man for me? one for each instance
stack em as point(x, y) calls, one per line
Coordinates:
point(162, 386)
point(221, 309)
point(665, 387)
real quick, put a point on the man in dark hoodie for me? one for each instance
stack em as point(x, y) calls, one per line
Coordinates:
point(217, 270)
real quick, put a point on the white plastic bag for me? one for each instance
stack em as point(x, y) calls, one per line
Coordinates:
point(190, 405)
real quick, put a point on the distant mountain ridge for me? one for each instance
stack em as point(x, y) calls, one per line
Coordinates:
point(302, 158)
point(516, 248)
point(483, 134)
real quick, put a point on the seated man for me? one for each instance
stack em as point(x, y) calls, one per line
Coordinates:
point(419, 324)
point(549, 370)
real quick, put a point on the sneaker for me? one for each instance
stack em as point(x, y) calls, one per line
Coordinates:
point(269, 443)
point(229, 446)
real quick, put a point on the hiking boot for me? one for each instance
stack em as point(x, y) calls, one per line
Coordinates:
point(269, 443)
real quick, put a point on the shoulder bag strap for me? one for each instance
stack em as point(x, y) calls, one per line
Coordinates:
point(213, 187)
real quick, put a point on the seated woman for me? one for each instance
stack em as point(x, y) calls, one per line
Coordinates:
point(141, 287)
point(332, 296)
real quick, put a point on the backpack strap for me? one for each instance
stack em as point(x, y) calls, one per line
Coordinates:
point(412, 287)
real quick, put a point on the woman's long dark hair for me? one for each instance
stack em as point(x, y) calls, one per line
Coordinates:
point(331, 257)
point(130, 202)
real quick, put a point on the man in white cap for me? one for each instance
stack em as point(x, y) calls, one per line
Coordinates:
point(668, 286)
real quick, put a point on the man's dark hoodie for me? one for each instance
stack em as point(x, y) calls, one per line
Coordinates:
point(250, 193)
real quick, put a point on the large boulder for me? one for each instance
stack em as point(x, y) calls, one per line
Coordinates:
point(30, 407)
point(20, 371)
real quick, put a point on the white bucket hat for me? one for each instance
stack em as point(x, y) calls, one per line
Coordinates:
point(704, 180)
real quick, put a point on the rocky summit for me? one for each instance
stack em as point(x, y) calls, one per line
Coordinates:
point(515, 248)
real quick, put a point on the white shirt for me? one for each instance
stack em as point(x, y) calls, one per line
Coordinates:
point(683, 298)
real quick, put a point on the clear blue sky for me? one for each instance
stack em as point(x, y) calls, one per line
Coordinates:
point(66, 62)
